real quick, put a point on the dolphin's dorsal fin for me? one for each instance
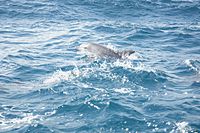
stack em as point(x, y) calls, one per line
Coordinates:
point(126, 53)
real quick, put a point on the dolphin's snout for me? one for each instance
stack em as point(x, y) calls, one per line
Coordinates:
point(82, 47)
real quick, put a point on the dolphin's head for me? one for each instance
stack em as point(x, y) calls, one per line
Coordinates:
point(126, 53)
point(82, 47)
point(86, 49)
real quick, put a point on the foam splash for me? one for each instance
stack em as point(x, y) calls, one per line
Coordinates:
point(103, 69)
point(98, 67)
point(190, 64)
point(182, 127)
point(124, 91)
point(124, 64)
point(127, 64)
point(6, 124)
point(70, 75)
point(61, 75)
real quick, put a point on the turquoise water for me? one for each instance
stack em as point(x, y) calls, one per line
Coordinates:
point(47, 86)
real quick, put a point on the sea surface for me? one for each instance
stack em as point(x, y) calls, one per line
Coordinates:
point(46, 85)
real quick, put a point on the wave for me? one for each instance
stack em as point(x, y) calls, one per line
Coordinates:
point(61, 10)
point(123, 72)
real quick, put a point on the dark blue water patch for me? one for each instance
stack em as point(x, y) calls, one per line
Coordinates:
point(13, 42)
point(122, 123)
point(110, 29)
point(66, 109)
point(10, 116)
point(129, 111)
point(183, 70)
point(195, 84)
point(10, 32)
point(190, 10)
point(182, 42)
point(44, 93)
point(188, 43)
point(179, 116)
point(3, 91)
point(23, 10)
point(156, 109)
point(183, 36)
point(171, 49)
point(26, 51)
point(8, 79)
point(85, 110)
point(192, 110)
point(16, 62)
point(195, 126)
point(195, 102)
point(106, 3)
point(53, 55)
point(182, 9)
point(149, 79)
point(110, 8)
point(61, 37)
point(136, 37)
point(192, 29)
point(27, 73)
point(16, 34)
point(104, 119)
point(104, 29)
point(55, 45)
point(144, 34)
point(25, 57)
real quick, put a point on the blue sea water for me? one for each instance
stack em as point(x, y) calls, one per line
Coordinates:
point(47, 86)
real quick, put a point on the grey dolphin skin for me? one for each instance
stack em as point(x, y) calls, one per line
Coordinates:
point(102, 51)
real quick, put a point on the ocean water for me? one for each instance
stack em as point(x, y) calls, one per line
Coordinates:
point(47, 86)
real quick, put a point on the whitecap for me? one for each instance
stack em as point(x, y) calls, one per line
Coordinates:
point(60, 75)
point(124, 91)
point(7, 124)
point(183, 127)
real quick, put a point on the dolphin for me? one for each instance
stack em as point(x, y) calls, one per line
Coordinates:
point(104, 52)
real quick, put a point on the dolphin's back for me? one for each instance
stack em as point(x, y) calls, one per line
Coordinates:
point(101, 51)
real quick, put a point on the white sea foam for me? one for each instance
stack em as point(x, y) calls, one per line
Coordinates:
point(188, 62)
point(7, 124)
point(182, 127)
point(61, 75)
point(124, 91)
point(124, 64)
point(103, 69)
point(127, 64)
